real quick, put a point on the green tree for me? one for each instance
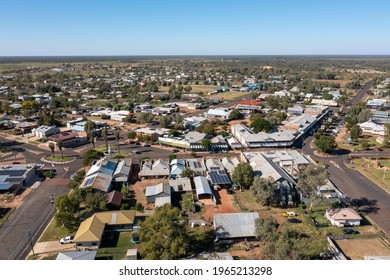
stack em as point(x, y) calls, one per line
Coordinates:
point(91, 155)
point(243, 175)
point(364, 115)
point(326, 143)
point(206, 144)
point(89, 127)
point(206, 127)
point(187, 172)
point(165, 122)
point(60, 146)
point(355, 132)
point(235, 115)
point(132, 135)
point(187, 88)
point(386, 137)
point(164, 235)
point(52, 147)
point(265, 229)
point(264, 191)
point(258, 123)
point(92, 140)
point(310, 180)
point(95, 202)
point(187, 202)
point(364, 144)
point(117, 138)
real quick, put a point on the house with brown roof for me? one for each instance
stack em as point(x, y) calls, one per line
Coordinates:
point(68, 138)
point(114, 199)
point(342, 217)
point(90, 232)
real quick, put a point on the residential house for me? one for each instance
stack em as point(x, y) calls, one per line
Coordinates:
point(177, 167)
point(295, 110)
point(220, 113)
point(196, 165)
point(25, 127)
point(154, 169)
point(381, 117)
point(114, 200)
point(373, 128)
point(154, 134)
point(100, 182)
point(377, 103)
point(181, 185)
point(219, 178)
point(342, 217)
point(90, 232)
point(230, 164)
point(43, 131)
point(202, 188)
point(235, 225)
point(290, 160)
point(324, 102)
point(158, 191)
point(214, 164)
point(76, 256)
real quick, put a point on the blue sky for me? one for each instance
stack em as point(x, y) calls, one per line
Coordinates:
point(166, 27)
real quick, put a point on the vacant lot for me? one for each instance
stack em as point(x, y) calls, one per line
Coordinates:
point(226, 206)
point(356, 249)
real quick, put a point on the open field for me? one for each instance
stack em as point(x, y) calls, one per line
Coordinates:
point(356, 249)
point(379, 175)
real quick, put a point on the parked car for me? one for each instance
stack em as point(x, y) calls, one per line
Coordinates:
point(136, 152)
point(146, 145)
point(377, 149)
point(175, 151)
point(294, 221)
point(67, 239)
point(229, 191)
point(350, 231)
point(289, 214)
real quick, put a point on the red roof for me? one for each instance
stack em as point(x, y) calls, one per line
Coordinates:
point(249, 102)
point(63, 136)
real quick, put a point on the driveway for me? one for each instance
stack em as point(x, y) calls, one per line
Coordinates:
point(51, 247)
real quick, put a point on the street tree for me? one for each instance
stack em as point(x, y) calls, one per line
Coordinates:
point(164, 234)
point(264, 191)
point(91, 155)
point(60, 145)
point(92, 140)
point(132, 135)
point(310, 180)
point(52, 147)
point(89, 127)
point(243, 175)
point(95, 202)
point(355, 132)
point(326, 143)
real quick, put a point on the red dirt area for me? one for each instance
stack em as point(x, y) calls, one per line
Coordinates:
point(226, 206)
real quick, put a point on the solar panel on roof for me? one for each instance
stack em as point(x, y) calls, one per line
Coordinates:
point(88, 182)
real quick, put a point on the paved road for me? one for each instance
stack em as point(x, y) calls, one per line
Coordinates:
point(33, 215)
point(366, 195)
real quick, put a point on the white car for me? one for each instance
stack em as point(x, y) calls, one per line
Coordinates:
point(67, 239)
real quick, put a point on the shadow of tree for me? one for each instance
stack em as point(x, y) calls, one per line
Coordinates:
point(365, 205)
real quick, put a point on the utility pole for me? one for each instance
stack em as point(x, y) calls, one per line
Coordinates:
point(384, 173)
point(31, 244)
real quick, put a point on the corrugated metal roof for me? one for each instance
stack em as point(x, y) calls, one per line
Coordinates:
point(202, 185)
point(235, 225)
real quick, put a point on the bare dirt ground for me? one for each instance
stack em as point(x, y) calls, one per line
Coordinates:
point(226, 206)
point(341, 134)
point(356, 249)
point(7, 201)
point(247, 251)
point(139, 190)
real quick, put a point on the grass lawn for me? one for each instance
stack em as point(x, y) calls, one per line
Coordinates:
point(115, 248)
point(380, 176)
point(54, 233)
point(58, 158)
